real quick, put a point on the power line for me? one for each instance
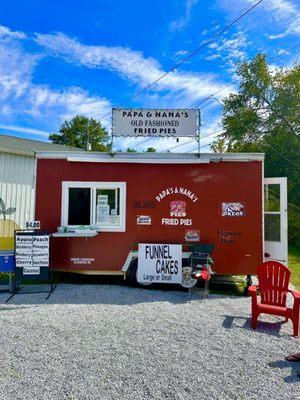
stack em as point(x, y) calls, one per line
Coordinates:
point(193, 140)
point(212, 97)
point(270, 106)
point(144, 141)
point(271, 147)
point(196, 148)
point(190, 55)
point(180, 145)
point(236, 80)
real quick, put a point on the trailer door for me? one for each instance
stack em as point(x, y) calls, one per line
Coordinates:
point(275, 220)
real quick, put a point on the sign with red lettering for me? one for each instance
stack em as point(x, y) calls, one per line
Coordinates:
point(159, 263)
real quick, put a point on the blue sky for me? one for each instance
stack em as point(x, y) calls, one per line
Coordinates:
point(62, 58)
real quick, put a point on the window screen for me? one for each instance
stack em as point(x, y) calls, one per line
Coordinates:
point(272, 227)
point(79, 212)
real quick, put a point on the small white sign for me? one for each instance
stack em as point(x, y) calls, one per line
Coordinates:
point(41, 262)
point(82, 260)
point(23, 239)
point(40, 256)
point(23, 262)
point(102, 214)
point(233, 209)
point(33, 225)
point(113, 219)
point(23, 248)
point(159, 263)
point(31, 270)
point(38, 239)
point(143, 220)
point(103, 199)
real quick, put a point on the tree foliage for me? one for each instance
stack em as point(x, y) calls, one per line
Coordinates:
point(80, 130)
point(149, 150)
point(264, 116)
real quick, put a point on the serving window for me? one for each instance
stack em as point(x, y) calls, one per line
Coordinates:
point(100, 204)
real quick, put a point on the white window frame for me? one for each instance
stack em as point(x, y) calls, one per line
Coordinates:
point(66, 185)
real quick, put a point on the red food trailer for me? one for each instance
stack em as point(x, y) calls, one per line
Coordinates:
point(100, 206)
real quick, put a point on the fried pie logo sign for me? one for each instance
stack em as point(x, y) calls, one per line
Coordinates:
point(178, 208)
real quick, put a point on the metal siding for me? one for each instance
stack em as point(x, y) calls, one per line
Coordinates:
point(17, 186)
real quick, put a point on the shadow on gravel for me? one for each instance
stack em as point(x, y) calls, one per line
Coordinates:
point(108, 294)
point(293, 366)
point(269, 328)
point(19, 308)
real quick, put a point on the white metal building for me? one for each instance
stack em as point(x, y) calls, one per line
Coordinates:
point(17, 182)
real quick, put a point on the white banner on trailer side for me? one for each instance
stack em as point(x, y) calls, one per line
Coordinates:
point(156, 123)
point(159, 263)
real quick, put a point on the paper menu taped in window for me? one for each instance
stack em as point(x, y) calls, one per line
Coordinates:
point(102, 199)
point(102, 214)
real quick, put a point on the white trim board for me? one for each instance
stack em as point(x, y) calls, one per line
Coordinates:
point(152, 158)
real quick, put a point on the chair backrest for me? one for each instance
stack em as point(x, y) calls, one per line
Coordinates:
point(201, 247)
point(273, 278)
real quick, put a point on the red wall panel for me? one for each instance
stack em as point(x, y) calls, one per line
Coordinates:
point(238, 240)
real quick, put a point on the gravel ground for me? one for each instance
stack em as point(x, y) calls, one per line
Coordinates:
point(117, 342)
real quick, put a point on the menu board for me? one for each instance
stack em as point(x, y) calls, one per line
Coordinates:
point(32, 254)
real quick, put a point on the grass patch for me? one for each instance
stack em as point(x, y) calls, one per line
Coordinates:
point(294, 266)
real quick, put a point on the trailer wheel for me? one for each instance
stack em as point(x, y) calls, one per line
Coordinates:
point(187, 280)
point(132, 273)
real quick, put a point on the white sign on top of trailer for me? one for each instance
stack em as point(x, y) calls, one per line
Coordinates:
point(157, 123)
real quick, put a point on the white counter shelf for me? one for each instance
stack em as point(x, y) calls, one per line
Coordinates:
point(75, 234)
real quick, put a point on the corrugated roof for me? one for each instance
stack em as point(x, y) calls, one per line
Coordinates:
point(13, 144)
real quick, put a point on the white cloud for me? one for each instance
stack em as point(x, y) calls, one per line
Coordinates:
point(16, 69)
point(31, 131)
point(183, 21)
point(286, 14)
point(20, 96)
point(7, 33)
point(279, 36)
point(282, 7)
point(230, 50)
point(280, 17)
point(180, 53)
point(213, 57)
point(67, 103)
point(283, 52)
point(131, 65)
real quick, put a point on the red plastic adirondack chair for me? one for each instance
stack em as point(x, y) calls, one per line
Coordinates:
point(273, 283)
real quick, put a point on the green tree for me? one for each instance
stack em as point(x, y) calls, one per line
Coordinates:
point(264, 116)
point(151, 150)
point(79, 131)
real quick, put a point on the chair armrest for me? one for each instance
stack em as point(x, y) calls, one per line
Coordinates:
point(252, 290)
point(295, 293)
